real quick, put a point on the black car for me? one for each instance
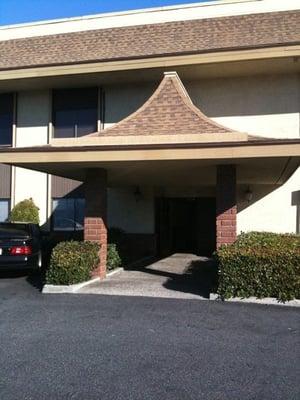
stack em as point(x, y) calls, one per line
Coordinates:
point(20, 246)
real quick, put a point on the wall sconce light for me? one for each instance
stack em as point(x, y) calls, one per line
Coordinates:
point(137, 194)
point(248, 195)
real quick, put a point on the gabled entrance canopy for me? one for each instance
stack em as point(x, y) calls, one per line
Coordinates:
point(168, 116)
point(169, 111)
point(167, 140)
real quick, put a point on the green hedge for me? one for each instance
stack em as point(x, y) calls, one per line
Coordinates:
point(25, 211)
point(72, 262)
point(260, 264)
point(113, 258)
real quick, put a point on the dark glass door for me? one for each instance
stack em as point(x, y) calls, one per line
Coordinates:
point(186, 225)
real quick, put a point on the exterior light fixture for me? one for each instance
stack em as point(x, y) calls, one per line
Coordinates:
point(248, 195)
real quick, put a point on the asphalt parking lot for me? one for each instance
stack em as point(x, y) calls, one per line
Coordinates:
point(123, 347)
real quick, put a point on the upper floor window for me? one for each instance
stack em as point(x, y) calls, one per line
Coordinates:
point(75, 112)
point(6, 118)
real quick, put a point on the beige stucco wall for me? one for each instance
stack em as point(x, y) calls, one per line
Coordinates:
point(122, 100)
point(125, 212)
point(260, 105)
point(32, 129)
point(276, 211)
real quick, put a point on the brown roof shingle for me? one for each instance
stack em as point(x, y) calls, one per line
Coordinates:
point(169, 111)
point(172, 38)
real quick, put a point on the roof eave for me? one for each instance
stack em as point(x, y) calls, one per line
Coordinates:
point(159, 61)
point(257, 142)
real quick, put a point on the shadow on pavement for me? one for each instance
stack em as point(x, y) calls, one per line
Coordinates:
point(200, 278)
point(34, 278)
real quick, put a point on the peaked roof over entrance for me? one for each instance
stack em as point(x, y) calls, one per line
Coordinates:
point(163, 141)
point(169, 111)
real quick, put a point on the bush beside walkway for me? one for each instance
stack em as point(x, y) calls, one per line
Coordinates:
point(260, 264)
point(73, 262)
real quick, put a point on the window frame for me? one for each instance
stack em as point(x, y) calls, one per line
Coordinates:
point(74, 228)
point(57, 106)
point(11, 113)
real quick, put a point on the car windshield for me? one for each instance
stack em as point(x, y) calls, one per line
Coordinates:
point(14, 230)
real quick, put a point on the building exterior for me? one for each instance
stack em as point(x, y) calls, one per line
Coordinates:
point(178, 125)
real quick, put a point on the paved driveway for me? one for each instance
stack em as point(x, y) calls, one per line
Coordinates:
point(181, 276)
point(133, 348)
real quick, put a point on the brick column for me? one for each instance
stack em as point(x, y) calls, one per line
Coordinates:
point(95, 228)
point(226, 204)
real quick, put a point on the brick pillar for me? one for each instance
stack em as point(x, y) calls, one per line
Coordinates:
point(95, 228)
point(226, 204)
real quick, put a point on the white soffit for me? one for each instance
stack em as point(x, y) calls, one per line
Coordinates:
point(183, 12)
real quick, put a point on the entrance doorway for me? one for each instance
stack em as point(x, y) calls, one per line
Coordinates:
point(186, 225)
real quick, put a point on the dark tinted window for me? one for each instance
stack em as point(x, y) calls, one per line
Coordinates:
point(6, 119)
point(74, 112)
point(68, 214)
point(14, 230)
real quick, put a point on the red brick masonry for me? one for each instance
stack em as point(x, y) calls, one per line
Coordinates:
point(226, 204)
point(95, 231)
point(95, 227)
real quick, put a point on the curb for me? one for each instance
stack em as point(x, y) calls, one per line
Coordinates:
point(253, 300)
point(54, 289)
point(114, 272)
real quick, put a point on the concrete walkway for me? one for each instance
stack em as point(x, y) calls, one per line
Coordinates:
point(178, 276)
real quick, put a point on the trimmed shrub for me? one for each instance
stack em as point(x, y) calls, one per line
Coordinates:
point(260, 264)
point(113, 258)
point(267, 239)
point(25, 211)
point(72, 262)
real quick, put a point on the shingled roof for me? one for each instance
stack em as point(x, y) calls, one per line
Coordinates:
point(169, 111)
point(153, 40)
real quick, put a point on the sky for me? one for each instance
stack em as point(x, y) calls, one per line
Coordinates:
point(20, 11)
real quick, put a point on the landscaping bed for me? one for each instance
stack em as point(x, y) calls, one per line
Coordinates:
point(260, 264)
point(73, 262)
